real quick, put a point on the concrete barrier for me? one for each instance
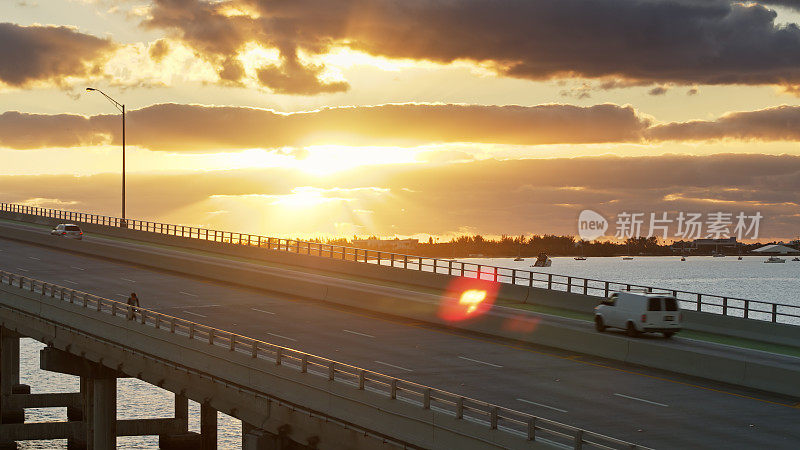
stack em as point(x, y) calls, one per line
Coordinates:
point(522, 326)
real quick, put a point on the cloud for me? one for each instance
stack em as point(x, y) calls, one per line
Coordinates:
point(213, 129)
point(658, 90)
point(781, 123)
point(626, 42)
point(31, 54)
point(490, 197)
point(194, 128)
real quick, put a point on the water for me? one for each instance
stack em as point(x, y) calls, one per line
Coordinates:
point(135, 400)
point(749, 278)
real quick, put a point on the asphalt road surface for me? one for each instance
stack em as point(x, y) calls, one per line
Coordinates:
point(646, 406)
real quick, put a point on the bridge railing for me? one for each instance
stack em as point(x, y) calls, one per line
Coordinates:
point(717, 304)
point(465, 408)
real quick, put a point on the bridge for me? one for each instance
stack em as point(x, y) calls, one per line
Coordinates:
point(394, 373)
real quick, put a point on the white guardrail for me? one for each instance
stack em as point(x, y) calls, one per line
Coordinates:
point(486, 414)
point(717, 304)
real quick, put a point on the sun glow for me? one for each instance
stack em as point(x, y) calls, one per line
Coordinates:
point(328, 159)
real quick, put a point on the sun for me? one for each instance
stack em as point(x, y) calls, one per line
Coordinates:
point(329, 159)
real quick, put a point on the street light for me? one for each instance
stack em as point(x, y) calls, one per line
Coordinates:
point(120, 107)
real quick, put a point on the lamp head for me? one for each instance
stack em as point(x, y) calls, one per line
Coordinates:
point(91, 89)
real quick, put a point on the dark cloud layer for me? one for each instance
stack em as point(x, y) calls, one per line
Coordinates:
point(194, 128)
point(48, 53)
point(781, 123)
point(489, 197)
point(630, 41)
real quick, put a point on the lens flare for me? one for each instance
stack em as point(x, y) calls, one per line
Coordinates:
point(472, 298)
point(467, 299)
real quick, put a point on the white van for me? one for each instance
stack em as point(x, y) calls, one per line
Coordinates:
point(637, 312)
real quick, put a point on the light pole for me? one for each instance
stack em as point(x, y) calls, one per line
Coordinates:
point(120, 107)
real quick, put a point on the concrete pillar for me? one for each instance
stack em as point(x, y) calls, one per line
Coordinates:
point(9, 376)
point(184, 440)
point(182, 408)
point(104, 412)
point(208, 427)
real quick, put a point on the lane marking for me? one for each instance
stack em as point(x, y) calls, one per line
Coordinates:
point(186, 293)
point(262, 311)
point(33, 257)
point(79, 268)
point(194, 314)
point(480, 362)
point(360, 334)
point(282, 337)
point(392, 365)
point(70, 282)
point(200, 306)
point(126, 279)
point(542, 405)
point(121, 295)
point(641, 400)
point(20, 268)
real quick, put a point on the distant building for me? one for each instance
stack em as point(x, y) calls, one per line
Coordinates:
point(387, 244)
point(713, 244)
point(776, 249)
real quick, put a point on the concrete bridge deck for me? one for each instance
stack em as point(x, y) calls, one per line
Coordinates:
point(643, 405)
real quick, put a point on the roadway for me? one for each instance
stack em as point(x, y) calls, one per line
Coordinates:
point(647, 406)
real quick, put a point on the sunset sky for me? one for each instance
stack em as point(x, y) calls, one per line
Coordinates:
point(321, 118)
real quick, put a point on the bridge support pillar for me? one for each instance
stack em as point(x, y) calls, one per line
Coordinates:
point(184, 440)
point(208, 427)
point(9, 376)
point(103, 414)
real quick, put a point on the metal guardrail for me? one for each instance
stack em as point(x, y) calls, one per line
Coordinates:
point(717, 304)
point(492, 416)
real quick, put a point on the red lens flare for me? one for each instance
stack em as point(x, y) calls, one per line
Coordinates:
point(467, 299)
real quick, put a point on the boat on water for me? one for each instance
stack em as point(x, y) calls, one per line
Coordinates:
point(627, 258)
point(739, 258)
point(718, 255)
point(775, 259)
point(579, 258)
point(542, 261)
point(518, 258)
point(795, 259)
point(683, 258)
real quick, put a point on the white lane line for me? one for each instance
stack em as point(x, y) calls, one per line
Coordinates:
point(262, 311)
point(20, 268)
point(194, 314)
point(392, 365)
point(360, 334)
point(79, 268)
point(641, 400)
point(128, 280)
point(542, 405)
point(70, 282)
point(199, 306)
point(33, 257)
point(479, 362)
point(282, 337)
point(186, 293)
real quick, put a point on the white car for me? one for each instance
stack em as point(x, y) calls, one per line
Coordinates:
point(638, 312)
point(68, 230)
